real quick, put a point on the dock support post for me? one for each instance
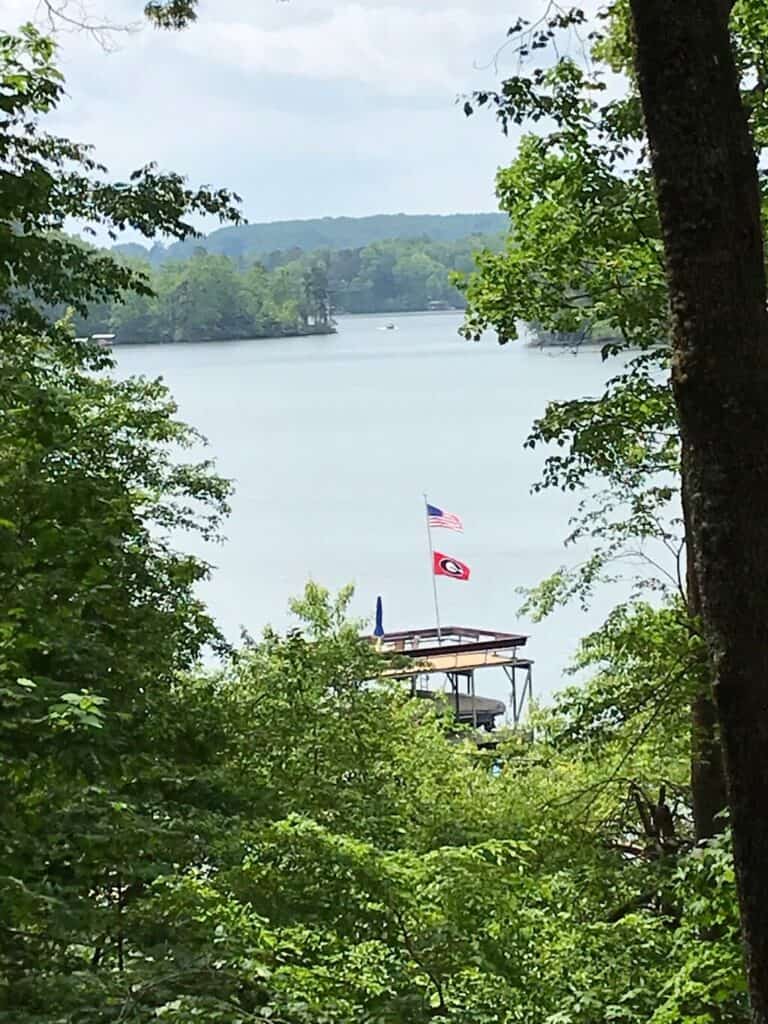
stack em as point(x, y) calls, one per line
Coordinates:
point(518, 698)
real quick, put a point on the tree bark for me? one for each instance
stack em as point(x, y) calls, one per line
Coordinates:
point(706, 182)
point(708, 792)
point(707, 774)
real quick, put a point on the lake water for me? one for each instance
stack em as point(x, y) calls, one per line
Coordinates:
point(332, 441)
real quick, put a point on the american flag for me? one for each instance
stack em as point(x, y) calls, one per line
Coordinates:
point(437, 517)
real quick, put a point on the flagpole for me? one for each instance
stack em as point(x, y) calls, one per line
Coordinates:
point(432, 569)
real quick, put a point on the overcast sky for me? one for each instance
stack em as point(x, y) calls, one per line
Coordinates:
point(306, 108)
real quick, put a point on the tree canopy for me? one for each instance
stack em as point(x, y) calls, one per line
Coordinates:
point(209, 297)
point(281, 841)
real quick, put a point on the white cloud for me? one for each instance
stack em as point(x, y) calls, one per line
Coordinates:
point(305, 107)
point(397, 50)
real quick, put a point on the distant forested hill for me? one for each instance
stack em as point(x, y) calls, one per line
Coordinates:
point(211, 297)
point(247, 241)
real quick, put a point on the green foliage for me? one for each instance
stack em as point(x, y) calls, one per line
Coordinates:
point(208, 298)
point(286, 842)
point(395, 275)
point(646, 665)
point(171, 14)
point(98, 611)
point(48, 180)
point(98, 616)
point(584, 259)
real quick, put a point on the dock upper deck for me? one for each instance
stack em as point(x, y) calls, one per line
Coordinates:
point(456, 652)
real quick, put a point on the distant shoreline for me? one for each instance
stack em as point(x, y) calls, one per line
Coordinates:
point(320, 331)
point(533, 341)
point(311, 333)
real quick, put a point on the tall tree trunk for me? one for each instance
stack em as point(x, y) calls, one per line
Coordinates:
point(707, 774)
point(707, 769)
point(706, 181)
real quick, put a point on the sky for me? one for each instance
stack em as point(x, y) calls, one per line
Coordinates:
point(306, 108)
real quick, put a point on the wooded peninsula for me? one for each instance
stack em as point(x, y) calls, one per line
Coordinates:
point(232, 290)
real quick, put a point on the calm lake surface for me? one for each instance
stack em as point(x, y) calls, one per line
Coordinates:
point(332, 442)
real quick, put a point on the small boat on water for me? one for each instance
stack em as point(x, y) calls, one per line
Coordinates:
point(390, 327)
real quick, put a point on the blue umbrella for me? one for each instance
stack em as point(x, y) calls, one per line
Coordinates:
point(379, 630)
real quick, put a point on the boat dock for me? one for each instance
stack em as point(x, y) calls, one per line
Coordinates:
point(456, 653)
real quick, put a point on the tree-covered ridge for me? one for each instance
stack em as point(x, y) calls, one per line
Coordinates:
point(403, 274)
point(209, 297)
point(244, 242)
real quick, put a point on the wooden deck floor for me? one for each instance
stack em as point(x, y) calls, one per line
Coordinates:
point(464, 661)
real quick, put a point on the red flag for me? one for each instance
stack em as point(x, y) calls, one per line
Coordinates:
point(444, 565)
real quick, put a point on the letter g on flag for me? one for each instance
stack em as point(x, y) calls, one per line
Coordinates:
point(445, 565)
